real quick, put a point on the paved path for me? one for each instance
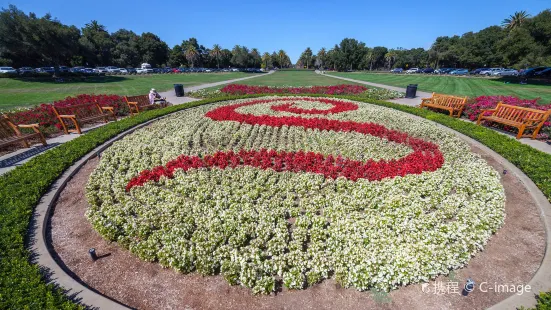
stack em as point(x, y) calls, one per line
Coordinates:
point(170, 96)
point(415, 102)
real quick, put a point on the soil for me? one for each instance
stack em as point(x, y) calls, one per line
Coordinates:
point(511, 257)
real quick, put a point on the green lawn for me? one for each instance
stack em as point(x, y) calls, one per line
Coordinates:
point(294, 78)
point(22, 93)
point(463, 86)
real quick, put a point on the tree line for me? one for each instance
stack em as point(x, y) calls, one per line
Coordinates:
point(28, 40)
point(521, 41)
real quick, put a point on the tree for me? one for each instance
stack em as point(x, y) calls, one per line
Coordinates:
point(306, 57)
point(192, 55)
point(176, 57)
point(125, 51)
point(283, 59)
point(516, 20)
point(390, 57)
point(321, 58)
point(266, 60)
point(240, 56)
point(254, 58)
point(216, 52)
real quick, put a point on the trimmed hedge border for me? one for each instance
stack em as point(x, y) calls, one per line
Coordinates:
point(22, 284)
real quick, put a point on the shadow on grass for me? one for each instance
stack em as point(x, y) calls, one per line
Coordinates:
point(72, 79)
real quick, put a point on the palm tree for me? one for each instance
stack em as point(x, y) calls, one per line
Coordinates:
point(266, 59)
point(282, 57)
point(216, 52)
point(191, 55)
point(320, 59)
point(369, 58)
point(390, 57)
point(95, 26)
point(516, 20)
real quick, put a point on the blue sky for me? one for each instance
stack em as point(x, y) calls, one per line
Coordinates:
point(288, 25)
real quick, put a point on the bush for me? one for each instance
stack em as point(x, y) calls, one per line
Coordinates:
point(543, 302)
point(238, 89)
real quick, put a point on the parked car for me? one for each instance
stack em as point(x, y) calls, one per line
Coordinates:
point(63, 69)
point(100, 70)
point(532, 71)
point(131, 70)
point(397, 70)
point(76, 69)
point(545, 72)
point(427, 70)
point(490, 71)
point(123, 70)
point(505, 72)
point(477, 71)
point(144, 70)
point(460, 72)
point(49, 70)
point(413, 70)
point(25, 70)
point(112, 69)
point(7, 70)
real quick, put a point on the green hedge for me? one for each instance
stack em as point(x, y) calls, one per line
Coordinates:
point(23, 286)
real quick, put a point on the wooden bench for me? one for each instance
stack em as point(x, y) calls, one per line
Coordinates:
point(518, 117)
point(83, 113)
point(136, 104)
point(452, 104)
point(10, 133)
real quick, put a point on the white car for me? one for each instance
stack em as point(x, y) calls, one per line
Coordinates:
point(490, 71)
point(123, 70)
point(144, 70)
point(100, 70)
point(7, 70)
point(413, 70)
point(112, 69)
point(506, 72)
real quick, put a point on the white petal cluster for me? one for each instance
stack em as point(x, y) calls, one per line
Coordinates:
point(261, 228)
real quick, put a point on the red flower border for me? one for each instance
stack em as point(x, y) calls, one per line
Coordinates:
point(426, 156)
point(338, 107)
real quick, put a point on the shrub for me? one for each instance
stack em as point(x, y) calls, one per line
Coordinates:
point(238, 89)
point(543, 302)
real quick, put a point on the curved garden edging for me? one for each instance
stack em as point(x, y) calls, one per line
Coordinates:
point(540, 281)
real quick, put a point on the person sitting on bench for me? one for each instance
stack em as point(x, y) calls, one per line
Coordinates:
point(155, 98)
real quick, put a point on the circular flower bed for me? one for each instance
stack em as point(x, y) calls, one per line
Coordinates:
point(291, 190)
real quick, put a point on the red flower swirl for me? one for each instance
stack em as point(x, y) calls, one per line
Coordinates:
point(426, 156)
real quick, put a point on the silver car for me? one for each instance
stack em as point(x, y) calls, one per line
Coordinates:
point(506, 72)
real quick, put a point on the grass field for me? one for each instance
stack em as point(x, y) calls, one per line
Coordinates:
point(291, 78)
point(22, 93)
point(463, 86)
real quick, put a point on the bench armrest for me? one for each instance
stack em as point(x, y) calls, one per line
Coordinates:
point(132, 102)
point(28, 126)
point(107, 108)
point(34, 127)
point(68, 116)
point(487, 110)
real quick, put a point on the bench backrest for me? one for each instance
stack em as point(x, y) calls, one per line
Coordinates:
point(519, 114)
point(7, 129)
point(448, 101)
point(79, 110)
point(142, 100)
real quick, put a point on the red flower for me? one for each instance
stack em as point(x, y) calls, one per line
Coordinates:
point(426, 156)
